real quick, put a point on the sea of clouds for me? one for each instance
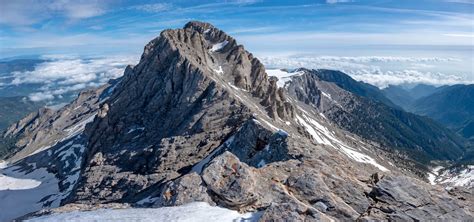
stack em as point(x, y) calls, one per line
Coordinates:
point(59, 75)
point(382, 71)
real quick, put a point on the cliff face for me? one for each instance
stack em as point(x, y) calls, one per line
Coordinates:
point(199, 119)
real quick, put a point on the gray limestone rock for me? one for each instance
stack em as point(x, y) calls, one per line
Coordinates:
point(232, 181)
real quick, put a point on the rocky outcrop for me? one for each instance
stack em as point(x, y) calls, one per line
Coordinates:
point(44, 128)
point(231, 180)
point(400, 198)
point(186, 189)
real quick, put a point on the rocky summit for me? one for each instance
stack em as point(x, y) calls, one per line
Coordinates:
point(200, 119)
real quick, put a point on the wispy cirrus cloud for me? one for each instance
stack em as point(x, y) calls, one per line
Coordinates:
point(337, 1)
point(153, 8)
point(461, 1)
point(29, 12)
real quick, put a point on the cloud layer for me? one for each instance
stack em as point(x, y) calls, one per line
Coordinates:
point(380, 71)
point(60, 75)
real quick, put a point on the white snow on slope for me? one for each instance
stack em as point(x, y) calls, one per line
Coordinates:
point(432, 178)
point(25, 194)
point(433, 175)
point(323, 136)
point(71, 131)
point(464, 178)
point(283, 76)
point(78, 127)
point(3, 164)
point(38, 189)
point(192, 212)
point(219, 46)
point(11, 183)
point(219, 70)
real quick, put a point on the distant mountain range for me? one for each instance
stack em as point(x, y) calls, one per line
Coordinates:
point(373, 116)
point(14, 108)
point(453, 106)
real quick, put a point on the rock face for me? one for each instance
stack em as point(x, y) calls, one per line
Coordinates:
point(178, 78)
point(45, 127)
point(198, 119)
point(399, 198)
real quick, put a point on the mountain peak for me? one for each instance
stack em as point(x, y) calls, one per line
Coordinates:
point(198, 26)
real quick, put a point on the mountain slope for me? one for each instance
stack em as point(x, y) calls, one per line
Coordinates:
point(14, 108)
point(422, 90)
point(198, 119)
point(451, 105)
point(345, 82)
point(375, 121)
point(399, 96)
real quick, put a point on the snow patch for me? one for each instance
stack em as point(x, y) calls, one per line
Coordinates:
point(22, 192)
point(219, 70)
point(12, 183)
point(268, 124)
point(219, 46)
point(324, 136)
point(432, 178)
point(283, 76)
point(135, 129)
point(78, 127)
point(192, 212)
point(147, 200)
point(463, 178)
point(3, 164)
point(326, 95)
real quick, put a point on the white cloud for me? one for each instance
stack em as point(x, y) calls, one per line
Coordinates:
point(153, 8)
point(380, 71)
point(461, 1)
point(464, 35)
point(307, 39)
point(337, 1)
point(64, 74)
point(40, 96)
point(245, 2)
point(383, 79)
point(29, 12)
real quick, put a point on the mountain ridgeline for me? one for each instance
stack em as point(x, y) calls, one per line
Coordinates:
point(369, 115)
point(450, 105)
point(200, 119)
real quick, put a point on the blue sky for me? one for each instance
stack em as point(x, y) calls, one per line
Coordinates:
point(364, 38)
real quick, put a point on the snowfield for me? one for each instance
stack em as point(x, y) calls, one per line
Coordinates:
point(219, 46)
point(323, 136)
point(463, 178)
point(282, 75)
point(11, 183)
point(192, 212)
point(22, 192)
